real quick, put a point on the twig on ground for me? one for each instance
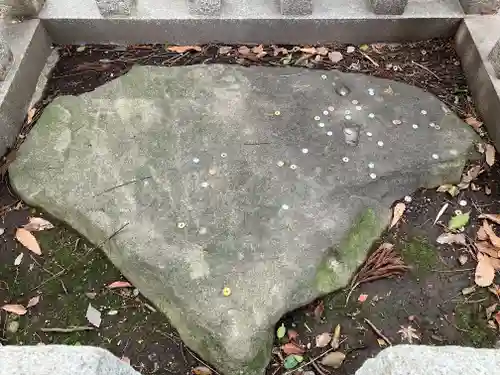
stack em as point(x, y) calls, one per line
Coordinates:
point(378, 332)
point(318, 369)
point(68, 330)
point(122, 185)
point(369, 59)
point(426, 69)
point(453, 271)
point(199, 360)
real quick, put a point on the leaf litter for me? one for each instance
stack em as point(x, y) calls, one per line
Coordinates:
point(334, 359)
point(28, 241)
point(408, 334)
point(323, 339)
point(399, 209)
point(93, 316)
point(37, 224)
point(15, 308)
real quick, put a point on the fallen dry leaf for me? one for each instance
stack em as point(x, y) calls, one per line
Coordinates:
point(490, 154)
point(37, 224)
point(292, 348)
point(279, 50)
point(494, 239)
point(451, 238)
point(490, 310)
point(399, 209)
point(485, 273)
point(322, 51)
point(244, 50)
point(334, 359)
point(31, 113)
point(335, 56)
point(486, 248)
point(441, 212)
point(202, 370)
point(258, 49)
point(381, 343)
point(182, 49)
point(15, 309)
point(481, 234)
point(323, 339)
point(292, 335)
point(120, 284)
point(497, 318)
point(28, 240)
point(18, 259)
point(471, 174)
point(474, 122)
point(33, 302)
point(408, 334)
point(318, 310)
point(336, 338)
point(492, 217)
point(224, 50)
point(462, 259)
point(449, 188)
point(468, 290)
point(308, 50)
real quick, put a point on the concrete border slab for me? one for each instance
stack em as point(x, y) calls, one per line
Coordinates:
point(30, 47)
point(474, 40)
point(249, 21)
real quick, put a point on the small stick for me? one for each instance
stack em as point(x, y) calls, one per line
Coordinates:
point(378, 332)
point(370, 59)
point(426, 69)
point(199, 360)
point(67, 330)
point(318, 369)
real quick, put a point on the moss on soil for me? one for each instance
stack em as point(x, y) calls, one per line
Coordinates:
point(419, 254)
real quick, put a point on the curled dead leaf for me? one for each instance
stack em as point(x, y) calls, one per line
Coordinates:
point(334, 359)
point(474, 122)
point(31, 114)
point(486, 248)
point(335, 56)
point(491, 217)
point(323, 339)
point(33, 302)
point(292, 348)
point(490, 154)
point(399, 209)
point(28, 240)
point(481, 234)
point(308, 50)
point(244, 50)
point(318, 310)
point(202, 370)
point(15, 309)
point(485, 273)
point(120, 284)
point(37, 224)
point(490, 310)
point(494, 239)
point(182, 49)
point(292, 334)
point(322, 51)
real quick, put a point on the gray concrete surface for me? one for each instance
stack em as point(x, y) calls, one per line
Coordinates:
point(20, 8)
point(60, 360)
point(494, 58)
point(436, 360)
point(268, 182)
point(112, 8)
point(480, 6)
point(394, 7)
point(474, 41)
point(250, 21)
point(30, 47)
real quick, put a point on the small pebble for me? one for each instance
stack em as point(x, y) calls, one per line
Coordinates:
point(321, 125)
point(196, 160)
point(435, 156)
point(285, 207)
point(373, 176)
point(345, 159)
point(330, 133)
point(407, 199)
point(351, 49)
point(414, 126)
point(380, 144)
point(463, 203)
point(371, 115)
point(369, 134)
point(331, 109)
point(293, 166)
point(305, 150)
point(317, 118)
point(280, 163)
point(181, 225)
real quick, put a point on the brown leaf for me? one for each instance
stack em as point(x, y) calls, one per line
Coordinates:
point(497, 318)
point(494, 239)
point(292, 348)
point(334, 359)
point(309, 50)
point(182, 49)
point(490, 154)
point(202, 370)
point(31, 113)
point(492, 217)
point(258, 49)
point(481, 234)
point(335, 56)
point(490, 310)
point(292, 334)
point(323, 339)
point(120, 284)
point(33, 302)
point(37, 224)
point(474, 122)
point(470, 176)
point(399, 209)
point(318, 310)
point(244, 51)
point(279, 50)
point(28, 240)
point(485, 248)
point(15, 309)
point(485, 273)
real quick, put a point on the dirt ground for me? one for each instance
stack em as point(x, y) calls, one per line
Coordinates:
point(71, 273)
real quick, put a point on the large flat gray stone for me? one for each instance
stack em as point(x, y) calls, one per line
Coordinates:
point(480, 6)
point(437, 360)
point(20, 8)
point(272, 182)
point(60, 360)
point(394, 7)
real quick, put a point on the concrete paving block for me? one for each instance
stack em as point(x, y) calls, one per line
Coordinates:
point(494, 58)
point(30, 47)
point(5, 58)
point(249, 21)
point(394, 7)
point(296, 7)
point(20, 8)
point(474, 42)
point(480, 6)
point(204, 7)
point(110, 8)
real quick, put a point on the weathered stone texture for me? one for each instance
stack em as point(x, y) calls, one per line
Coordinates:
point(296, 7)
point(390, 7)
point(20, 8)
